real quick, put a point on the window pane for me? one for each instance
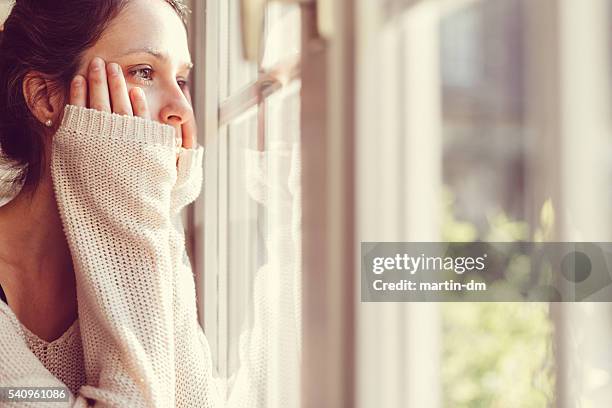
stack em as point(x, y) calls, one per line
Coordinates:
point(442, 87)
point(234, 72)
point(282, 41)
point(487, 197)
point(260, 290)
point(264, 278)
point(245, 246)
point(283, 34)
point(284, 242)
point(241, 72)
point(484, 132)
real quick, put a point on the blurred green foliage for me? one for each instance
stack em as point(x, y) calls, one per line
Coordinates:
point(497, 355)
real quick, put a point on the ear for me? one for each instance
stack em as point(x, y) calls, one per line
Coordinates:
point(41, 100)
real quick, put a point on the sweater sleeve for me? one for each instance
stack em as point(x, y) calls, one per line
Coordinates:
point(113, 177)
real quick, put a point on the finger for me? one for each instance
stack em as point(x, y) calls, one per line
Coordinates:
point(189, 129)
point(118, 90)
point(189, 132)
point(178, 138)
point(78, 91)
point(177, 135)
point(98, 86)
point(139, 103)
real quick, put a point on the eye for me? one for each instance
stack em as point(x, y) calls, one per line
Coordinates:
point(143, 74)
point(182, 83)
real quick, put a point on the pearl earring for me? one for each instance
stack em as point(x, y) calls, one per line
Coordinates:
point(49, 123)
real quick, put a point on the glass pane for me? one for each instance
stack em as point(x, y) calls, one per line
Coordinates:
point(446, 116)
point(484, 132)
point(241, 72)
point(245, 246)
point(234, 72)
point(498, 111)
point(283, 280)
point(264, 278)
point(224, 48)
point(283, 34)
point(264, 232)
point(487, 197)
point(282, 42)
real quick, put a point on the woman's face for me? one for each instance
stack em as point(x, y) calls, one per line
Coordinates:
point(149, 41)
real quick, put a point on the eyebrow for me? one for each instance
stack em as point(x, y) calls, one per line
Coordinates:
point(155, 53)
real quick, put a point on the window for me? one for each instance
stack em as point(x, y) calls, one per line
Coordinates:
point(488, 197)
point(250, 277)
point(417, 121)
point(475, 120)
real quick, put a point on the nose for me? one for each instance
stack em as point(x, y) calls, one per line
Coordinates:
point(176, 110)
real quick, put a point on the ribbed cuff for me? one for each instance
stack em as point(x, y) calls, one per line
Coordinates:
point(84, 121)
point(189, 178)
point(189, 160)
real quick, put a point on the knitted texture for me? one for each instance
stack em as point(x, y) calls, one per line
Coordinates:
point(137, 342)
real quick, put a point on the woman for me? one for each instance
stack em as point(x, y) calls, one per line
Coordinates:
point(99, 292)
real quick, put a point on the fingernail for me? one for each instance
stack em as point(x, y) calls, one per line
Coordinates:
point(77, 80)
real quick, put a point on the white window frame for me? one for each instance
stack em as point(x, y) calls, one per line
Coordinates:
point(332, 325)
point(325, 221)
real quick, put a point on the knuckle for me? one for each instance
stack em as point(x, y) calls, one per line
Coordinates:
point(97, 80)
point(137, 107)
point(141, 103)
point(76, 93)
point(116, 88)
point(142, 110)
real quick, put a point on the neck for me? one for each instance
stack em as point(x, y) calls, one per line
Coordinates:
point(35, 263)
point(32, 238)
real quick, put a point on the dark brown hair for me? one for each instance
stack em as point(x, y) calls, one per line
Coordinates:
point(48, 37)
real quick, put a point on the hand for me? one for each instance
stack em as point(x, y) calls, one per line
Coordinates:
point(93, 92)
point(189, 128)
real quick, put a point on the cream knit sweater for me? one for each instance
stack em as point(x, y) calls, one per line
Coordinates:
point(137, 341)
